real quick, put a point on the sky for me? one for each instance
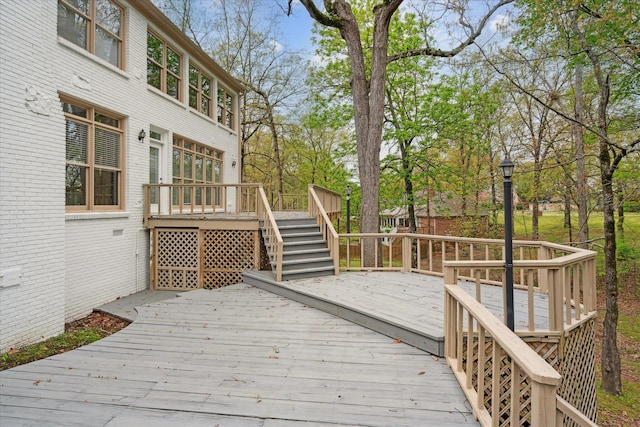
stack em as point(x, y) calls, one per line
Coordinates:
point(296, 29)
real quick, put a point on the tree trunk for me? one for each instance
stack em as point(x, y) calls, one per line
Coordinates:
point(581, 170)
point(620, 210)
point(535, 234)
point(611, 378)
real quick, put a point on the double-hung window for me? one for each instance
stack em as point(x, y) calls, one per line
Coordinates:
point(195, 163)
point(225, 108)
point(163, 66)
point(94, 153)
point(200, 91)
point(94, 25)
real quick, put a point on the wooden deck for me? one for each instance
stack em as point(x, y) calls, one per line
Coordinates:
point(241, 356)
point(407, 306)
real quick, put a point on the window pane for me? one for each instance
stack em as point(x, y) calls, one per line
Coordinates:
point(193, 98)
point(107, 148)
point(218, 175)
point(109, 121)
point(153, 74)
point(173, 61)
point(105, 187)
point(155, 135)
point(206, 106)
point(173, 86)
point(154, 48)
point(154, 172)
point(108, 16)
point(188, 165)
point(76, 141)
point(74, 109)
point(81, 5)
point(72, 26)
point(193, 76)
point(107, 47)
point(199, 169)
point(76, 185)
point(177, 154)
point(206, 86)
point(209, 171)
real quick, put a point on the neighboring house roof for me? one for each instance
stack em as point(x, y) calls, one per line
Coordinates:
point(159, 19)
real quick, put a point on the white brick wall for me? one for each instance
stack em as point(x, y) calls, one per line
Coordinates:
point(31, 177)
point(72, 263)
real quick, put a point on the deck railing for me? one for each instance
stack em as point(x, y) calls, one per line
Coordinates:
point(272, 236)
point(565, 274)
point(503, 378)
point(324, 206)
point(199, 200)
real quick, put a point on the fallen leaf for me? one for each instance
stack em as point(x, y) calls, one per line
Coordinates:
point(398, 341)
point(421, 373)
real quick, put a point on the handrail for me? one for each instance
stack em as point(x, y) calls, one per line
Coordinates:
point(564, 408)
point(272, 236)
point(322, 215)
point(198, 200)
point(466, 322)
point(565, 274)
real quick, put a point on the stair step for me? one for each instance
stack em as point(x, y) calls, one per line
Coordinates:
point(303, 273)
point(290, 254)
point(295, 264)
point(296, 229)
point(295, 221)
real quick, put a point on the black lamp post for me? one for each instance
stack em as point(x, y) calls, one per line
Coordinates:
point(506, 167)
point(348, 194)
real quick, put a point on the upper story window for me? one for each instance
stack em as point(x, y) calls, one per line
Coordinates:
point(225, 108)
point(163, 66)
point(94, 25)
point(200, 91)
point(94, 157)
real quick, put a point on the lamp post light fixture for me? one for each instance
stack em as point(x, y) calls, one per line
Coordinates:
point(506, 168)
point(348, 195)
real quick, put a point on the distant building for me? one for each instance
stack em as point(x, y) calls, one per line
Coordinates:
point(443, 216)
point(98, 98)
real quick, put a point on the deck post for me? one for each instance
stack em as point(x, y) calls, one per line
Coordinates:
point(543, 404)
point(406, 254)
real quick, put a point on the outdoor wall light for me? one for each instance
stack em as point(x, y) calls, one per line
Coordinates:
point(233, 163)
point(142, 135)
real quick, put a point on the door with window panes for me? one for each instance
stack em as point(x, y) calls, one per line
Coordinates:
point(156, 169)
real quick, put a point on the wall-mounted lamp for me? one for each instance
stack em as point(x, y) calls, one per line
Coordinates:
point(233, 163)
point(142, 135)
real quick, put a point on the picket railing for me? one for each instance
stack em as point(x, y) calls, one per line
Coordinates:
point(324, 206)
point(272, 236)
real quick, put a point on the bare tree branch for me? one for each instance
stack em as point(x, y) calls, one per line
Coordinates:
point(430, 51)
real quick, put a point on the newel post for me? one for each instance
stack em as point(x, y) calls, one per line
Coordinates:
point(543, 404)
point(406, 254)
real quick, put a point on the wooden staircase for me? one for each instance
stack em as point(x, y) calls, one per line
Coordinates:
point(305, 253)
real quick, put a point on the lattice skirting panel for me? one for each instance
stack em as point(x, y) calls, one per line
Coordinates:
point(184, 259)
point(579, 371)
point(572, 356)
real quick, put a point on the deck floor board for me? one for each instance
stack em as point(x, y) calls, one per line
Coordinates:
point(239, 356)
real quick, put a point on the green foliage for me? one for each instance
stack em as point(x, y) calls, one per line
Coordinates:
point(59, 344)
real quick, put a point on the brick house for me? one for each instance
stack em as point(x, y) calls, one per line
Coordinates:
point(98, 98)
point(442, 216)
